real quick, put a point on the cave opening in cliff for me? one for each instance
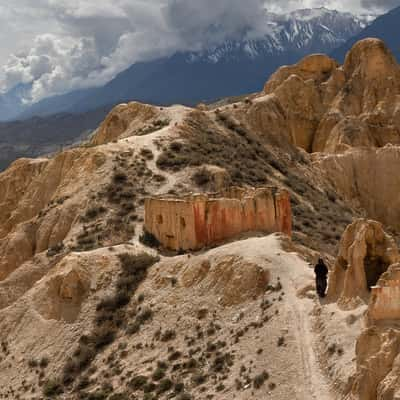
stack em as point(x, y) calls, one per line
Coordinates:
point(374, 267)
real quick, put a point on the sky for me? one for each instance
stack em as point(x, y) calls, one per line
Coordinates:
point(61, 45)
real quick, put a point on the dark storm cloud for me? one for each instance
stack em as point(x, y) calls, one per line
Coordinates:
point(213, 20)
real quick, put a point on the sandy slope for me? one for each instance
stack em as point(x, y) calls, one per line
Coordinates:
point(226, 290)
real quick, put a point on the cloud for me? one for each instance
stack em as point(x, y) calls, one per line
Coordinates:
point(211, 21)
point(382, 5)
point(53, 65)
point(95, 40)
point(84, 43)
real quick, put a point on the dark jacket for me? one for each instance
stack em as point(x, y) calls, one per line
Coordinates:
point(321, 270)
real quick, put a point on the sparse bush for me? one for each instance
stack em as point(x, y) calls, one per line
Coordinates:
point(332, 349)
point(110, 314)
point(158, 374)
point(149, 240)
point(159, 178)
point(33, 363)
point(120, 177)
point(220, 387)
point(93, 212)
point(44, 362)
point(164, 385)
point(138, 382)
point(176, 146)
point(147, 154)
point(260, 379)
point(198, 379)
point(179, 387)
point(202, 177)
point(168, 335)
point(149, 387)
point(52, 388)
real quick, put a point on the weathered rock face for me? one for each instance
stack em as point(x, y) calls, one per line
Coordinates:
point(199, 221)
point(365, 253)
point(123, 119)
point(335, 108)
point(385, 296)
point(363, 177)
point(41, 202)
point(14, 183)
point(64, 290)
point(377, 353)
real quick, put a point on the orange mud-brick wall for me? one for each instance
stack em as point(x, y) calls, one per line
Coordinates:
point(202, 220)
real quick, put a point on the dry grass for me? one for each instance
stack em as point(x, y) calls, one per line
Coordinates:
point(319, 216)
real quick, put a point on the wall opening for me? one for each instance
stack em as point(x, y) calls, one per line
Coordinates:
point(374, 267)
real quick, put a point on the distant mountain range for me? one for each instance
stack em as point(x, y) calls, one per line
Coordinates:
point(231, 68)
point(42, 135)
point(385, 27)
point(234, 67)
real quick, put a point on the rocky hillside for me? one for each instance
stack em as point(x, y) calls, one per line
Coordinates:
point(88, 311)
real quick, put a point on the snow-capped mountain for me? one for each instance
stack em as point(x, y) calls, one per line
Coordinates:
point(385, 27)
point(236, 66)
point(302, 31)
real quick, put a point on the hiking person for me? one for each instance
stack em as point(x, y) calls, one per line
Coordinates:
point(321, 277)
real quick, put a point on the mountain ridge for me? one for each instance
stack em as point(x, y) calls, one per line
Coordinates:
point(384, 27)
point(220, 70)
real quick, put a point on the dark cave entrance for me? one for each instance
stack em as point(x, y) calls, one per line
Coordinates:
point(374, 267)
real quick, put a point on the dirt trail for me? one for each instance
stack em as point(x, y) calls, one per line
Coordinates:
point(296, 275)
point(314, 381)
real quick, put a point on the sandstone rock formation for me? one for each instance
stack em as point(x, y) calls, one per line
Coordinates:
point(354, 105)
point(41, 201)
point(365, 253)
point(384, 304)
point(363, 177)
point(123, 119)
point(377, 353)
point(198, 221)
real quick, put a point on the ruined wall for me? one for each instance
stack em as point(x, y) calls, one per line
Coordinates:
point(199, 221)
